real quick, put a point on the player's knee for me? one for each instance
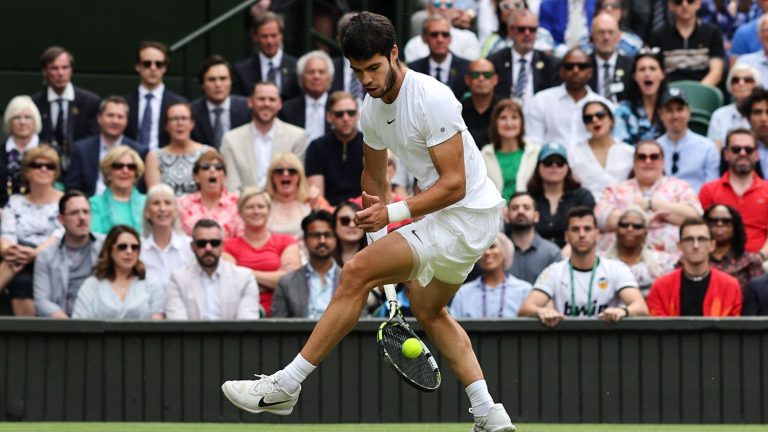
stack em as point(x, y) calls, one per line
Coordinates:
point(427, 316)
point(353, 280)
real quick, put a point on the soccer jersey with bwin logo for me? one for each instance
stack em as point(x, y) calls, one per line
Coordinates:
point(610, 277)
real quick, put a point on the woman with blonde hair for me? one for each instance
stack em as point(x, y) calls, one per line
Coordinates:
point(21, 124)
point(121, 203)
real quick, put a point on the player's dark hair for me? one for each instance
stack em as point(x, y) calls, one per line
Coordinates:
point(72, 193)
point(693, 221)
point(366, 34)
point(759, 94)
point(580, 212)
point(317, 215)
point(739, 233)
point(210, 62)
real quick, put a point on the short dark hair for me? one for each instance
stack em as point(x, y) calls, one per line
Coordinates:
point(317, 215)
point(114, 100)
point(605, 106)
point(206, 223)
point(579, 212)
point(759, 94)
point(740, 131)
point(365, 35)
point(210, 62)
point(52, 53)
point(72, 193)
point(522, 193)
point(739, 237)
point(152, 44)
point(692, 221)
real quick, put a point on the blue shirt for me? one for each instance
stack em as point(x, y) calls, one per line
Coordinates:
point(633, 126)
point(698, 161)
point(745, 40)
point(757, 60)
point(476, 300)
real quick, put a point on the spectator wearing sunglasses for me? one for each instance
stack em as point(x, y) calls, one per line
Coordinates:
point(692, 50)
point(30, 223)
point(691, 157)
point(499, 39)
point(759, 59)
point(164, 247)
point(148, 104)
point(119, 288)
point(208, 287)
point(212, 200)
point(727, 230)
point(566, 23)
point(667, 201)
point(481, 79)
point(335, 161)
point(741, 188)
point(742, 79)
point(351, 238)
point(121, 203)
point(464, 43)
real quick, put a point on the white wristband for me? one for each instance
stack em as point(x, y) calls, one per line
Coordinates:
point(375, 235)
point(398, 211)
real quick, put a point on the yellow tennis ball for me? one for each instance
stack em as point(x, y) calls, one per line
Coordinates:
point(411, 348)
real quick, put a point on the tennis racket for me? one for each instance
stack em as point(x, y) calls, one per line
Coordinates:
point(421, 372)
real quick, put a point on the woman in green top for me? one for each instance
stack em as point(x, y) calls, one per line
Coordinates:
point(509, 158)
point(121, 203)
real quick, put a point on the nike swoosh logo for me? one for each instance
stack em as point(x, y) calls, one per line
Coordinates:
point(391, 121)
point(263, 404)
point(417, 236)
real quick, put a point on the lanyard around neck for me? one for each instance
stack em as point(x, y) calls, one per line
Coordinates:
point(501, 298)
point(590, 309)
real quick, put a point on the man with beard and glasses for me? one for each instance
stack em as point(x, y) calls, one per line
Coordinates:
point(532, 253)
point(211, 288)
point(419, 120)
point(741, 188)
point(584, 286)
point(306, 292)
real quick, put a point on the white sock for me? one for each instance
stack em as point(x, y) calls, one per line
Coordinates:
point(295, 373)
point(479, 398)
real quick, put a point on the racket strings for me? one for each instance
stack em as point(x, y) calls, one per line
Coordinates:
point(420, 369)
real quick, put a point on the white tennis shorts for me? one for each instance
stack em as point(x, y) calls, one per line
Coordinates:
point(449, 242)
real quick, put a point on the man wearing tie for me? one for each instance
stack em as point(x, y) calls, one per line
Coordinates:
point(147, 104)
point(307, 110)
point(68, 112)
point(218, 110)
point(611, 69)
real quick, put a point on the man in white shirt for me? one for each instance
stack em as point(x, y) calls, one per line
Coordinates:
point(464, 43)
point(420, 120)
point(584, 285)
point(307, 110)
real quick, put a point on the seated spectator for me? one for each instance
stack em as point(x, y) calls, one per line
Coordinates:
point(567, 24)
point(119, 289)
point(217, 111)
point(212, 200)
point(532, 253)
point(173, 163)
point(307, 291)
point(610, 65)
point(555, 192)
point(500, 40)
point(742, 79)
point(441, 63)
point(464, 43)
point(697, 288)
point(637, 117)
point(62, 268)
point(742, 189)
point(602, 160)
point(495, 294)
point(268, 255)
point(509, 158)
point(727, 16)
point(756, 297)
point(758, 59)
point(83, 173)
point(481, 79)
point(667, 201)
point(351, 239)
point(755, 109)
point(21, 123)
point(335, 161)
point(30, 224)
point(165, 247)
point(121, 203)
point(746, 39)
point(630, 247)
point(728, 255)
point(566, 288)
point(307, 110)
point(629, 44)
point(209, 288)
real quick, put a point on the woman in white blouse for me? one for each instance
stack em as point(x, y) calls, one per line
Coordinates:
point(119, 289)
point(602, 160)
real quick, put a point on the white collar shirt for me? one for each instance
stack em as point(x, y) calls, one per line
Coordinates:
point(212, 291)
point(611, 62)
point(320, 289)
point(68, 96)
point(157, 100)
point(262, 150)
point(445, 68)
point(10, 144)
point(161, 262)
point(314, 113)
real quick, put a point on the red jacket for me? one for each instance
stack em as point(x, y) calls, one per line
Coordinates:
point(723, 296)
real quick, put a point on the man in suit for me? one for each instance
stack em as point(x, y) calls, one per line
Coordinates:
point(248, 150)
point(84, 173)
point(211, 288)
point(307, 110)
point(68, 113)
point(146, 120)
point(611, 69)
point(218, 110)
point(441, 64)
point(306, 292)
point(463, 42)
point(269, 63)
point(523, 71)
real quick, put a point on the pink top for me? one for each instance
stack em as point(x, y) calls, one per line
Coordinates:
point(191, 210)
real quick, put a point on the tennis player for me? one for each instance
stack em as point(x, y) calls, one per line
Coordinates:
point(419, 119)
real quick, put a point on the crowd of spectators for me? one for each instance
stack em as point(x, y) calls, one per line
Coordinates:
point(241, 204)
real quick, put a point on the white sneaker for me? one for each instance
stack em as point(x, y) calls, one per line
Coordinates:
point(497, 420)
point(261, 395)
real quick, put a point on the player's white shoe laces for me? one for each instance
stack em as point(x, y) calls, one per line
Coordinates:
point(261, 395)
point(497, 420)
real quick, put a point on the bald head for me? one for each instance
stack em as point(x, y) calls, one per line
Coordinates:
point(605, 34)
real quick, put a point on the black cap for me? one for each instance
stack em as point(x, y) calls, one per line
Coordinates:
point(674, 94)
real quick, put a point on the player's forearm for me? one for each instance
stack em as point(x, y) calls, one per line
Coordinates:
point(377, 186)
point(445, 192)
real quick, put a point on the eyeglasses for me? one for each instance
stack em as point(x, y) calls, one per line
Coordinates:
point(117, 166)
point(477, 74)
point(580, 65)
point(649, 51)
point(289, 171)
point(653, 157)
point(179, 119)
point(50, 166)
point(738, 149)
point(588, 118)
point(635, 226)
point(205, 166)
point(508, 6)
point(557, 162)
point(438, 3)
point(320, 235)
point(339, 114)
point(679, 2)
point(122, 247)
point(738, 80)
point(201, 243)
point(675, 159)
point(346, 221)
point(694, 240)
point(435, 34)
point(146, 64)
point(719, 220)
point(526, 29)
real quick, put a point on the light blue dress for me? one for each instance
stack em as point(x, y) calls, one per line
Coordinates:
point(97, 301)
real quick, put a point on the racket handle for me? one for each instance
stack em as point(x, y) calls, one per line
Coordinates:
point(390, 292)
